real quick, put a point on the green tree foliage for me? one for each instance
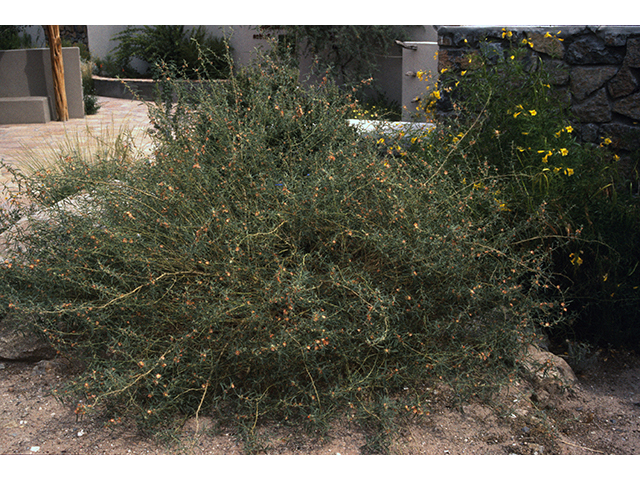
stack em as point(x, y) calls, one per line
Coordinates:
point(172, 45)
point(10, 37)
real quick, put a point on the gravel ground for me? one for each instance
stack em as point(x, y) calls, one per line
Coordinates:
point(599, 416)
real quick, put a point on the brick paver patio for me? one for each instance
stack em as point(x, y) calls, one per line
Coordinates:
point(19, 142)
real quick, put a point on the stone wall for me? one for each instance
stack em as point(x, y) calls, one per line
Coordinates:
point(75, 34)
point(598, 66)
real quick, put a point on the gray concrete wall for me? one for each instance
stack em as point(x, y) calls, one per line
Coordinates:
point(27, 73)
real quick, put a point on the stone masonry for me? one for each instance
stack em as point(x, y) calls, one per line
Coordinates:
point(599, 66)
point(75, 34)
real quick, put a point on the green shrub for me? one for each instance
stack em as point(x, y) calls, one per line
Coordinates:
point(91, 106)
point(107, 67)
point(10, 37)
point(172, 45)
point(268, 262)
point(525, 129)
point(380, 109)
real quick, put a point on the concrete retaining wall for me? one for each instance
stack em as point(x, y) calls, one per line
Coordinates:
point(127, 88)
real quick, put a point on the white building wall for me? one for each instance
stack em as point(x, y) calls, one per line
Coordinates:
point(100, 43)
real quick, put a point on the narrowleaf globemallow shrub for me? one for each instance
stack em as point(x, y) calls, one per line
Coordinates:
point(267, 262)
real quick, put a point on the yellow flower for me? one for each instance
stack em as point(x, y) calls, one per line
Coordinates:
point(568, 172)
point(575, 259)
point(463, 72)
point(547, 35)
point(569, 129)
point(380, 141)
point(436, 94)
point(533, 113)
point(564, 152)
point(545, 159)
point(607, 141)
point(516, 114)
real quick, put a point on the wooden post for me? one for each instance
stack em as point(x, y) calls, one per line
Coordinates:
point(57, 68)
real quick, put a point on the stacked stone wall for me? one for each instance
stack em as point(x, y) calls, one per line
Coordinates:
point(598, 67)
point(75, 34)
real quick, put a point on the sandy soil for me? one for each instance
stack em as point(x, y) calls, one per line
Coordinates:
point(601, 415)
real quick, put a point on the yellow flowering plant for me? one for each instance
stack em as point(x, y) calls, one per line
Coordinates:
point(519, 123)
point(535, 133)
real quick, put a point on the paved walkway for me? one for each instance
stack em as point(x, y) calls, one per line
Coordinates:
point(19, 143)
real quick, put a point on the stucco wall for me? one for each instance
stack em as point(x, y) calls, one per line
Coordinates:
point(27, 73)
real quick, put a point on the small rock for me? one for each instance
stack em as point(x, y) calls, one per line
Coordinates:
point(44, 367)
point(536, 449)
point(547, 366)
point(19, 342)
point(202, 424)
